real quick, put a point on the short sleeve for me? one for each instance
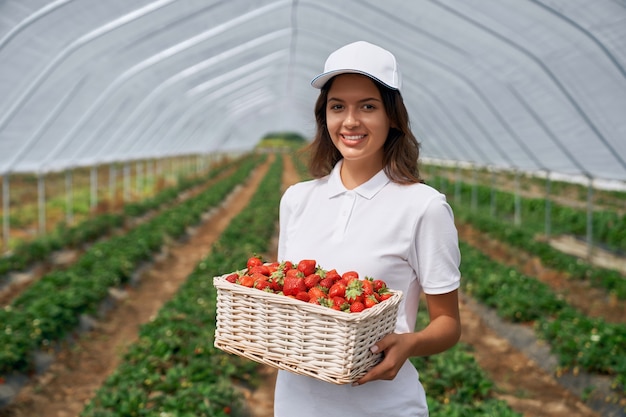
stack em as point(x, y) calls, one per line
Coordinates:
point(436, 256)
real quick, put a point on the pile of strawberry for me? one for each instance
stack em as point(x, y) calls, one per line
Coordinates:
point(308, 282)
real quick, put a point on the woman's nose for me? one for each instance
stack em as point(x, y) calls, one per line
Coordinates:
point(351, 119)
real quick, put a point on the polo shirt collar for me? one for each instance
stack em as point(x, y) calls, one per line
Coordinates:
point(366, 190)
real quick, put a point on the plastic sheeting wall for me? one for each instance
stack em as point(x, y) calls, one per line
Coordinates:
point(521, 84)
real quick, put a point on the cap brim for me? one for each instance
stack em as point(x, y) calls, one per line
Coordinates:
point(322, 79)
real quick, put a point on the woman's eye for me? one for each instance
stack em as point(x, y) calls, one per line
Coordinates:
point(336, 107)
point(369, 107)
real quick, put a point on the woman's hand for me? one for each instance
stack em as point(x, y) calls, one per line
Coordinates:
point(396, 350)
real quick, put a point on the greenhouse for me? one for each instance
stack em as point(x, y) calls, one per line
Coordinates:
point(145, 146)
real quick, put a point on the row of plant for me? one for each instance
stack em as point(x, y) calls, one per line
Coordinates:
point(455, 384)
point(64, 236)
point(174, 369)
point(609, 227)
point(565, 190)
point(523, 238)
point(50, 308)
point(578, 341)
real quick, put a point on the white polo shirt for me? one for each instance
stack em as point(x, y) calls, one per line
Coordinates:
point(403, 234)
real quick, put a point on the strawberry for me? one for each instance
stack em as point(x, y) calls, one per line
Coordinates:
point(254, 261)
point(385, 296)
point(347, 276)
point(326, 282)
point(292, 285)
point(332, 274)
point(303, 296)
point(338, 289)
point(263, 285)
point(341, 303)
point(354, 291)
point(312, 280)
point(259, 269)
point(379, 285)
point(370, 301)
point(273, 267)
point(286, 266)
point(368, 286)
point(294, 273)
point(357, 307)
point(315, 294)
point(246, 281)
point(307, 266)
point(232, 277)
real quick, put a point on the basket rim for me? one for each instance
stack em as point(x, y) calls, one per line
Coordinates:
point(221, 283)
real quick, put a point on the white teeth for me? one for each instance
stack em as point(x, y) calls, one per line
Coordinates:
point(354, 137)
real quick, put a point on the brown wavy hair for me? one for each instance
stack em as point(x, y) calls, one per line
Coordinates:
point(401, 148)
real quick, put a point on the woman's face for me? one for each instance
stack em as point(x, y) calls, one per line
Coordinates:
point(356, 119)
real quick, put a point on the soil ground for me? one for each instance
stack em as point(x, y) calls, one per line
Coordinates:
point(528, 385)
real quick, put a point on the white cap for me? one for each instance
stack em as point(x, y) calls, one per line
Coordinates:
point(361, 58)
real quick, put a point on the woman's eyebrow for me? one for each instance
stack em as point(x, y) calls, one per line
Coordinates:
point(359, 101)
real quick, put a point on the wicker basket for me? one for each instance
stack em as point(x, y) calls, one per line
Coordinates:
point(300, 337)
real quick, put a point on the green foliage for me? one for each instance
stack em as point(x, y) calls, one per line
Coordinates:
point(174, 369)
point(47, 310)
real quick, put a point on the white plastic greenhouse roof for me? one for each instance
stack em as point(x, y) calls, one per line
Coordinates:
point(522, 84)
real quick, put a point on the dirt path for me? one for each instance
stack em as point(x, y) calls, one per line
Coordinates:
point(80, 369)
point(594, 302)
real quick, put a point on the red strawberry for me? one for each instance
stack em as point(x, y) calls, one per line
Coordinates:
point(293, 285)
point(326, 283)
point(286, 265)
point(316, 293)
point(341, 303)
point(354, 291)
point(338, 289)
point(370, 301)
point(332, 274)
point(368, 286)
point(254, 261)
point(303, 296)
point(347, 276)
point(312, 280)
point(357, 307)
point(379, 285)
point(232, 277)
point(385, 296)
point(307, 266)
point(246, 281)
point(259, 269)
point(293, 273)
point(262, 285)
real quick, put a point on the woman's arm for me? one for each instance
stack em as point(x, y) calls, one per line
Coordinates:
point(443, 332)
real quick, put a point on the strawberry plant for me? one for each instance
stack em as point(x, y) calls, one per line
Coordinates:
point(174, 369)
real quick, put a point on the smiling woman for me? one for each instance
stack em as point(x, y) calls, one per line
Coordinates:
point(364, 161)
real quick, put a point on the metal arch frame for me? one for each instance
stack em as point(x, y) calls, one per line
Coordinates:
point(179, 106)
point(131, 119)
point(83, 40)
point(448, 69)
point(585, 32)
point(200, 103)
point(146, 64)
point(295, 4)
point(546, 70)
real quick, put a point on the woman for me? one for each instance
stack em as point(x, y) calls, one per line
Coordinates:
point(367, 210)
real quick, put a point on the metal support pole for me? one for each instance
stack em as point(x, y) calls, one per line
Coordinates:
point(41, 200)
point(548, 219)
point(69, 198)
point(5, 212)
